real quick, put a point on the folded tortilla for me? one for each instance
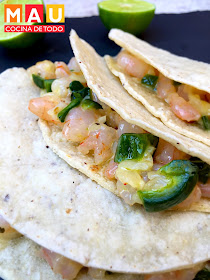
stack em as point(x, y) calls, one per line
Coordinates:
point(61, 209)
point(20, 260)
point(180, 69)
point(110, 91)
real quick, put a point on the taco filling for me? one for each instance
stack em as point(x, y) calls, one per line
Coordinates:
point(147, 170)
point(186, 102)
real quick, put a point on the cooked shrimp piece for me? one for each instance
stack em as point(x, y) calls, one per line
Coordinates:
point(125, 127)
point(60, 87)
point(67, 268)
point(96, 273)
point(61, 69)
point(73, 65)
point(183, 91)
point(205, 189)
point(185, 274)
point(100, 142)
point(166, 152)
point(41, 105)
point(195, 196)
point(77, 123)
point(132, 65)
point(183, 109)
point(110, 170)
point(46, 69)
point(164, 87)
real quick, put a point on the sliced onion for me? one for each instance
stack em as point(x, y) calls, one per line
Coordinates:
point(67, 268)
point(73, 65)
point(96, 273)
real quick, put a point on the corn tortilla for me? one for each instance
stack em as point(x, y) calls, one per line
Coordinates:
point(180, 69)
point(109, 91)
point(59, 208)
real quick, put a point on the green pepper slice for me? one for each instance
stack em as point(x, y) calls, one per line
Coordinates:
point(39, 81)
point(76, 86)
point(133, 146)
point(90, 104)
point(80, 95)
point(183, 176)
point(63, 113)
point(85, 92)
point(43, 83)
point(150, 81)
point(203, 169)
point(206, 122)
point(48, 84)
point(203, 275)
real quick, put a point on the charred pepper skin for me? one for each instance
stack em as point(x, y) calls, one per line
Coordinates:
point(183, 176)
point(133, 146)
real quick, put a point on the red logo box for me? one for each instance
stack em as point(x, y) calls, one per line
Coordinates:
point(34, 13)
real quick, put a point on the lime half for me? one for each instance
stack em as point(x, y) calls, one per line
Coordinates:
point(132, 16)
point(17, 39)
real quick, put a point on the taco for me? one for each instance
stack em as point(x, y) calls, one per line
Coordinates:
point(174, 89)
point(90, 121)
point(62, 210)
point(21, 258)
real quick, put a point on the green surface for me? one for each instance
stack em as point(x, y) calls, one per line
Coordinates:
point(133, 146)
point(182, 175)
point(132, 16)
point(43, 83)
point(90, 104)
point(17, 39)
point(203, 275)
point(80, 94)
point(149, 81)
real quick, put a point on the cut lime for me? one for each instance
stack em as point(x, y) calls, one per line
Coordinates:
point(17, 39)
point(132, 16)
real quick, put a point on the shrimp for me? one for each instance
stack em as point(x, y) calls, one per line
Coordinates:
point(46, 69)
point(73, 65)
point(183, 92)
point(164, 87)
point(61, 70)
point(205, 189)
point(77, 123)
point(185, 274)
point(100, 142)
point(132, 65)
point(41, 105)
point(183, 109)
point(166, 152)
point(125, 127)
point(67, 268)
point(110, 170)
point(96, 273)
point(195, 196)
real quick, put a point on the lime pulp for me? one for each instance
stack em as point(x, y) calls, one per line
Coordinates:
point(132, 16)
